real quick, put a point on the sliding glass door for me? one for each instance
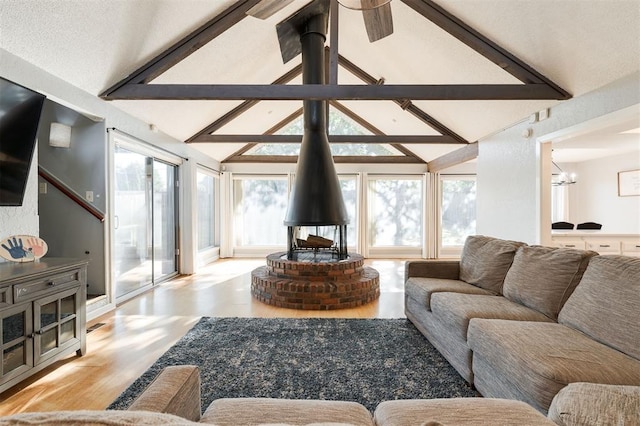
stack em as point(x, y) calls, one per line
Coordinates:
point(144, 222)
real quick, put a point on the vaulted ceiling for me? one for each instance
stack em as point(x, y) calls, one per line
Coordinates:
point(451, 73)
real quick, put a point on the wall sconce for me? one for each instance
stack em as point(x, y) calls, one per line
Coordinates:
point(60, 135)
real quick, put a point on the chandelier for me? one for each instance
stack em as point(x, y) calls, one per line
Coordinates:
point(563, 178)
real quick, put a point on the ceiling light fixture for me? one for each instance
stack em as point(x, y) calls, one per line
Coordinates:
point(563, 178)
point(363, 4)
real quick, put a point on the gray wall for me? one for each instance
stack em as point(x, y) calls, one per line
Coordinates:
point(68, 229)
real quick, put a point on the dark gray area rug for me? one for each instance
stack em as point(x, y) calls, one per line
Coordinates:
point(362, 360)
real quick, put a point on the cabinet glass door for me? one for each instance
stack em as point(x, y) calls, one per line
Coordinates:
point(16, 342)
point(56, 324)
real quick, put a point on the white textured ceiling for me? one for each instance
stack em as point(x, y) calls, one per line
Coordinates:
point(581, 45)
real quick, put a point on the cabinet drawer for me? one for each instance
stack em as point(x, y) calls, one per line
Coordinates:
point(573, 244)
point(5, 297)
point(45, 285)
point(604, 247)
point(631, 249)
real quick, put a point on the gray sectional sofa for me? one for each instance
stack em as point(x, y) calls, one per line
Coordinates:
point(174, 398)
point(521, 322)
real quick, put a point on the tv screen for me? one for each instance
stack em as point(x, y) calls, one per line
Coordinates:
point(20, 110)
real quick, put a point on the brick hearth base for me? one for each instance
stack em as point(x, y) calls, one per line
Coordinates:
point(315, 285)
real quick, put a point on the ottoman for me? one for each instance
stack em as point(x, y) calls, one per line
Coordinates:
point(459, 412)
point(256, 411)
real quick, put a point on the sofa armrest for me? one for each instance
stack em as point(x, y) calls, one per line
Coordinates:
point(593, 403)
point(176, 390)
point(447, 269)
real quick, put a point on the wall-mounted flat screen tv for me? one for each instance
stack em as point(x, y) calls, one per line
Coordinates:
point(20, 110)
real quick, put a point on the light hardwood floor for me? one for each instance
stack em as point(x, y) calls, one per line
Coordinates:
point(139, 331)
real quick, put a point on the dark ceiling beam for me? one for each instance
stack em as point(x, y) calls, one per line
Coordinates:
point(452, 92)
point(380, 159)
point(246, 105)
point(405, 104)
point(481, 44)
point(391, 139)
point(333, 42)
point(186, 46)
point(459, 156)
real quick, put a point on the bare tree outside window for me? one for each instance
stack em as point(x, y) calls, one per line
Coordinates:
point(458, 209)
point(396, 212)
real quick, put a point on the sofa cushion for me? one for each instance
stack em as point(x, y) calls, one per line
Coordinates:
point(596, 404)
point(422, 289)
point(485, 261)
point(454, 311)
point(605, 305)
point(543, 278)
point(532, 361)
point(254, 411)
point(457, 411)
point(95, 418)
point(176, 390)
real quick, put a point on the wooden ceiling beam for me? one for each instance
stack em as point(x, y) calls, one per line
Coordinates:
point(455, 92)
point(390, 139)
point(186, 46)
point(453, 158)
point(481, 44)
point(379, 159)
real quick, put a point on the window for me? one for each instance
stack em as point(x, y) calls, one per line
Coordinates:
point(395, 211)
point(339, 124)
point(457, 210)
point(206, 191)
point(349, 187)
point(259, 206)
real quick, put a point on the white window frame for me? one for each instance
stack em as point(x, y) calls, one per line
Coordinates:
point(409, 252)
point(211, 253)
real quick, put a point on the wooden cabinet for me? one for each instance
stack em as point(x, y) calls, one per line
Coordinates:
point(42, 315)
point(628, 245)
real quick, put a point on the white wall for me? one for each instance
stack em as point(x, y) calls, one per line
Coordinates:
point(23, 220)
point(594, 197)
point(509, 167)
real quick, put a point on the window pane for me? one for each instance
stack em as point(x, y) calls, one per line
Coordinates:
point(206, 216)
point(13, 357)
point(13, 327)
point(259, 207)
point(67, 331)
point(48, 314)
point(164, 217)
point(349, 188)
point(67, 306)
point(458, 218)
point(48, 340)
point(395, 207)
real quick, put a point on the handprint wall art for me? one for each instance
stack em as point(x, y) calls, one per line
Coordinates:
point(23, 248)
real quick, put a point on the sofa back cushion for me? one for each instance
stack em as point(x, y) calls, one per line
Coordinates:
point(543, 278)
point(605, 304)
point(486, 260)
